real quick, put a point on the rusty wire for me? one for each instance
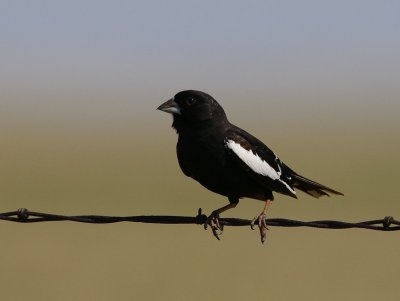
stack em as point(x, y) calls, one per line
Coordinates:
point(23, 215)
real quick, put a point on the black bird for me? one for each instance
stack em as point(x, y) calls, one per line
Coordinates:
point(229, 161)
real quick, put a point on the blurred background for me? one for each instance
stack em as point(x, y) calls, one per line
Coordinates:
point(80, 81)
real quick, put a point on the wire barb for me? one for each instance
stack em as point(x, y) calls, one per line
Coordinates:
point(23, 215)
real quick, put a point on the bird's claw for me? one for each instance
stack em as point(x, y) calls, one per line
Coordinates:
point(215, 225)
point(262, 225)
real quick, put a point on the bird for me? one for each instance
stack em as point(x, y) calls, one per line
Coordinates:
point(229, 161)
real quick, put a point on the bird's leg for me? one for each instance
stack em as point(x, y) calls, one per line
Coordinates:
point(213, 220)
point(261, 221)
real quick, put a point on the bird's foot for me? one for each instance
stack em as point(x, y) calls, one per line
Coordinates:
point(262, 225)
point(213, 222)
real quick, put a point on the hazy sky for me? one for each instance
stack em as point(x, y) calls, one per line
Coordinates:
point(95, 56)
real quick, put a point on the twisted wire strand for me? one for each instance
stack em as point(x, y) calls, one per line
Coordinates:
point(23, 215)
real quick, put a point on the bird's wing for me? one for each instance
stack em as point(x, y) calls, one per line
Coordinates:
point(258, 161)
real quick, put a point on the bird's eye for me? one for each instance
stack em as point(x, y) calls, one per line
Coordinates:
point(190, 101)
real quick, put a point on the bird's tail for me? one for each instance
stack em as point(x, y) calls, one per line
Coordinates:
point(312, 188)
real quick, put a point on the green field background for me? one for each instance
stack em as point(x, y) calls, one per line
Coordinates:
point(127, 166)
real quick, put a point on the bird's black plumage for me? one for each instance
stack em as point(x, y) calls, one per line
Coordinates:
point(226, 159)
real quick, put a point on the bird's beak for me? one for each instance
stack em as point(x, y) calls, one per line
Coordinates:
point(170, 106)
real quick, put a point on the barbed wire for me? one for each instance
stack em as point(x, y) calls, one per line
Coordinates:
point(23, 215)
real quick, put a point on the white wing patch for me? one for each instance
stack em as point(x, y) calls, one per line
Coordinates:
point(253, 161)
point(257, 164)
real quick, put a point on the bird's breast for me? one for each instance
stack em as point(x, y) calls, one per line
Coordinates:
point(198, 157)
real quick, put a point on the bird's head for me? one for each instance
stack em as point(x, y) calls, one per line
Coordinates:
point(193, 109)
